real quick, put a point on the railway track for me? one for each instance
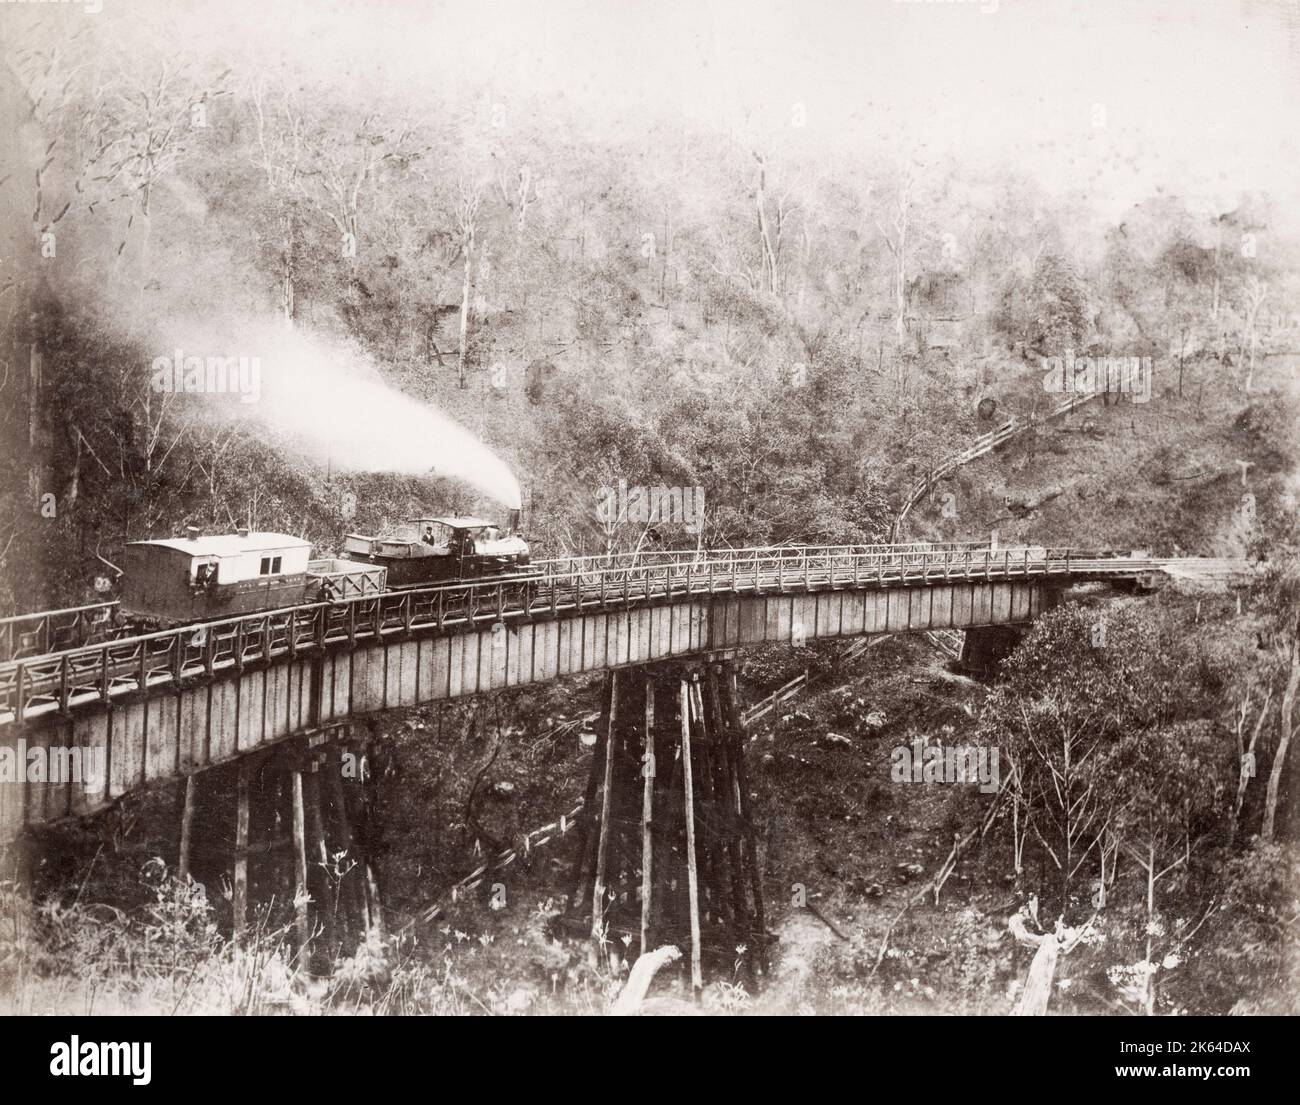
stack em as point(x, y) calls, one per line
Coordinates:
point(60, 679)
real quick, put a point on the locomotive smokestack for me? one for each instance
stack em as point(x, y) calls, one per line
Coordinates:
point(512, 521)
point(192, 532)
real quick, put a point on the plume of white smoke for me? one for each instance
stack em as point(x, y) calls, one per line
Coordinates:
point(328, 400)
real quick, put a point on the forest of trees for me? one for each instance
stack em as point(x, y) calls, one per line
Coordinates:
point(799, 331)
point(798, 334)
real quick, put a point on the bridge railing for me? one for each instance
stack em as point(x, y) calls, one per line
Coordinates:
point(611, 565)
point(59, 680)
point(51, 630)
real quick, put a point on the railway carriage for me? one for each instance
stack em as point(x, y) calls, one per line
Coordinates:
point(200, 578)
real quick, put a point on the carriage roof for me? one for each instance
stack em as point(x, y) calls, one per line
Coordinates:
point(229, 544)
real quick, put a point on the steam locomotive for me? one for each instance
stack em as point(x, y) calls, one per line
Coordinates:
point(198, 578)
point(443, 550)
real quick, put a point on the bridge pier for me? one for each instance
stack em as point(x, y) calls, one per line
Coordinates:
point(986, 647)
point(667, 851)
point(303, 833)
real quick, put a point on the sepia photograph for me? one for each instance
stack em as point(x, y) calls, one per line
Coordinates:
point(621, 508)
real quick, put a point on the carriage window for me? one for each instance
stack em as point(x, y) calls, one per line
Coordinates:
point(270, 566)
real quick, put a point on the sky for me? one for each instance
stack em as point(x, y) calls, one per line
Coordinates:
point(1112, 98)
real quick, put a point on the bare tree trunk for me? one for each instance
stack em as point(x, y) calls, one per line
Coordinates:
point(464, 321)
point(1245, 759)
point(239, 905)
point(1148, 982)
point(33, 421)
point(470, 198)
point(764, 234)
point(1285, 734)
point(187, 830)
point(288, 303)
point(692, 877)
point(598, 903)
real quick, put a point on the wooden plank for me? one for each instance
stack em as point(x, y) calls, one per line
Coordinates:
point(498, 654)
point(89, 733)
point(647, 812)
point(941, 607)
point(488, 642)
point(918, 613)
point(436, 685)
point(692, 877)
point(455, 665)
point(522, 649)
point(829, 612)
point(300, 696)
point(1019, 601)
point(546, 651)
point(753, 619)
point(40, 801)
point(606, 801)
point(1001, 602)
point(679, 633)
point(512, 639)
point(853, 613)
point(566, 632)
point(128, 747)
point(380, 693)
point(358, 664)
point(339, 673)
point(963, 604)
point(408, 672)
point(593, 642)
point(620, 637)
point(187, 830)
point(639, 627)
point(896, 604)
point(300, 897)
point(239, 899)
point(162, 736)
point(252, 687)
point(701, 614)
point(658, 618)
point(224, 723)
point(469, 675)
point(803, 615)
point(731, 635)
point(275, 723)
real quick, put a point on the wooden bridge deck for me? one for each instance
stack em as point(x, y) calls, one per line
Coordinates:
point(171, 703)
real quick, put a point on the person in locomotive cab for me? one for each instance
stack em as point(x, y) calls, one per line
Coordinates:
point(429, 539)
point(205, 575)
